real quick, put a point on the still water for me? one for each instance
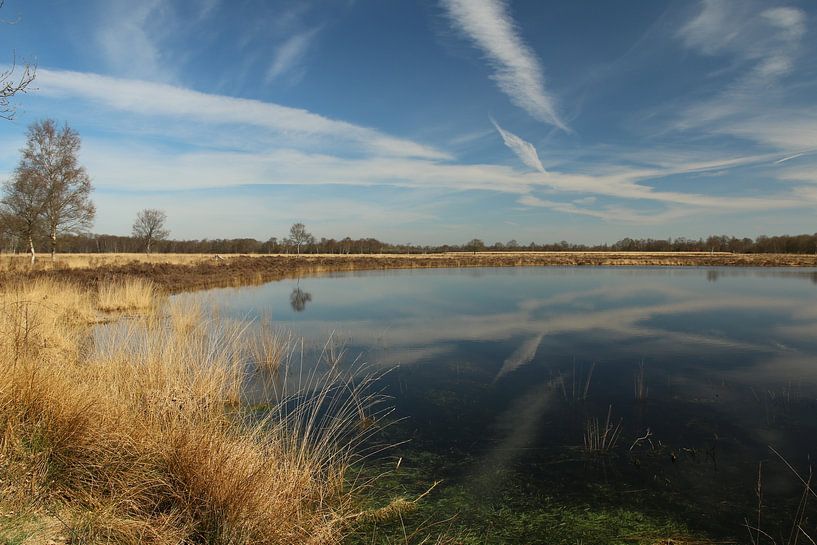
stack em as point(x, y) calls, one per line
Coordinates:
point(497, 374)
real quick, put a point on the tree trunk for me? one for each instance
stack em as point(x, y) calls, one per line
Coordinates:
point(53, 244)
point(147, 249)
point(31, 248)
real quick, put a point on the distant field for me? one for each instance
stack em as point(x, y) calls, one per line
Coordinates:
point(182, 272)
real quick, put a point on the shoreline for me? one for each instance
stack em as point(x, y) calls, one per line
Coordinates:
point(176, 273)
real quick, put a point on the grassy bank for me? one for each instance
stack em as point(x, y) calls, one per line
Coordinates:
point(182, 272)
point(136, 432)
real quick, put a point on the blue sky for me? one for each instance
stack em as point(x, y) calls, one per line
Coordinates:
point(432, 121)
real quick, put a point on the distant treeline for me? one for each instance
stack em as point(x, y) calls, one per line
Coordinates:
point(793, 244)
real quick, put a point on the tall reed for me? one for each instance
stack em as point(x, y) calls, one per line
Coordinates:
point(579, 387)
point(601, 439)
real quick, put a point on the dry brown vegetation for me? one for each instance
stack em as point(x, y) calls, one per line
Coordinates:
point(182, 272)
point(126, 294)
point(135, 431)
point(20, 262)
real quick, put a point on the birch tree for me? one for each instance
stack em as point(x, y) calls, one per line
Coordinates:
point(21, 208)
point(299, 236)
point(50, 159)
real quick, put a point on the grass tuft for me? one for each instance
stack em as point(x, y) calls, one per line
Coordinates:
point(127, 294)
point(135, 431)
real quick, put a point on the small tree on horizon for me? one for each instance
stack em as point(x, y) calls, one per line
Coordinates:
point(475, 245)
point(299, 236)
point(150, 226)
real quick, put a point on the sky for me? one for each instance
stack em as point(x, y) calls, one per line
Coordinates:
point(432, 121)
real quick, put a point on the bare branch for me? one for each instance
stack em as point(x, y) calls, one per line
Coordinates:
point(10, 85)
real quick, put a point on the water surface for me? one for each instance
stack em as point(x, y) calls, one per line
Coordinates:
point(496, 373)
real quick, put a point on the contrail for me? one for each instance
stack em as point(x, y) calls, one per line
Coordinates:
point(784, 159)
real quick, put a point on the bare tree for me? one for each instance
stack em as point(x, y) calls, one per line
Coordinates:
point(475, 245)
point(150, 226)
point(21, 209)
point(299, 236)
point(10, 85)
point(50, 159)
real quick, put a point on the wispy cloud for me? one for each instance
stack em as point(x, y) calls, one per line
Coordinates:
point(762, 47)
point(617, 214)
point(156, 99)
point(806, 173)
point(517, 70)
point(470, 137)
point(128, 167)
point(522, 148)
point(766, 38)
point(128, 45)
point(298, 153)
point(291, 53)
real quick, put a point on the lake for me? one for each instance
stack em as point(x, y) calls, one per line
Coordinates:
point(502, 381)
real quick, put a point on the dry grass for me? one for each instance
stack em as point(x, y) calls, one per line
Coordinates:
point(134, 433)
point(20, 262)
point(127, 294)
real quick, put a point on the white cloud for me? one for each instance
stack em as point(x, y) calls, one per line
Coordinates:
point(157, 99)
point(790, 130)
point(789, 158)
point(807, 173)
point(762, 46)
point(128, 45)
point(609, 213)
point(375, 159)
point(123, 166)
point(470, 137)
point(768, 38)
point(522, 148)
point(291, 53)
point(516, 69)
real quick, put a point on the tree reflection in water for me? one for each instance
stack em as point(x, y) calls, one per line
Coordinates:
point(299, 298)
